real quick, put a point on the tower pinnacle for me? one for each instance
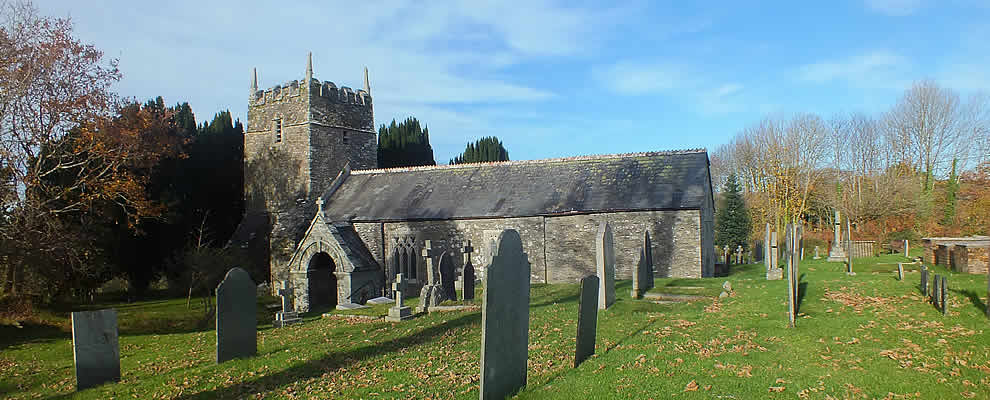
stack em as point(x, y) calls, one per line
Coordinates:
point(309, 68)
point(254, 81)
point(367, 85)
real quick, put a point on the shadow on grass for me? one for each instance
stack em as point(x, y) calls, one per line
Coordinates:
point(802, 291)
point(973, 298)
point(30, 333)
point(332, 361)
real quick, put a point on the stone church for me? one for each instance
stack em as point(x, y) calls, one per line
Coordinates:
point(323, 220)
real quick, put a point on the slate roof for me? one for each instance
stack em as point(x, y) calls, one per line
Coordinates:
point(639, 181)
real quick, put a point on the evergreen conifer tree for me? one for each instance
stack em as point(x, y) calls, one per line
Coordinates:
point(486, 149)
point(732, 220)
point(405, 144)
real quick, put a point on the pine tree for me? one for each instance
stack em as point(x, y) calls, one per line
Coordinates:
point(732, 220)
point(404, 145)
point(486, 149)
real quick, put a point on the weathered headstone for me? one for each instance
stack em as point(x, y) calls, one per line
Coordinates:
point(399, 311)
point(605, 260)
point(739, 254)
point(817, 257)
point(643, 275)
point(431, 295)
point(924, 282)
point(774, 251)
point(945, 294)
point(505, 320)
point(287, 316)
point(587, 325)
point(900, 271)
point(907, 248)
point(237, 322)
point(95, 348)
point(467, 273)
point(448, 274)
point(837, 252)
point(936, 293)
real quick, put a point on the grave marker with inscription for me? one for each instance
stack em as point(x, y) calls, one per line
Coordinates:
point(587, 326)
point(237, 322)
point(505, 320)
point(95, 348)
point(605, 260)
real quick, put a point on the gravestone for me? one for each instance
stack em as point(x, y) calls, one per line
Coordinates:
point(900, 271)
point(287, 316)
point(505, 319)
point(739, 254)
point(237, 323)
point(766, 248)
point(448, 274)
point(907, 248)
point(643, 275)
point(816, 257)
point(399, 312)
point(936, 293)
point(837, 253)
point(924, 282)
point(605, 260)
point(467, 273)
point(774, 251)
point(587, 326)
point(95, 348)
point(380, 300)
point(431, 295)
point(944, 294)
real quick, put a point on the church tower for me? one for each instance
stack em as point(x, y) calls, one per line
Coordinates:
point(300, 135)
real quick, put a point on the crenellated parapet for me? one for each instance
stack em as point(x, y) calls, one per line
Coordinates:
point(326, 90)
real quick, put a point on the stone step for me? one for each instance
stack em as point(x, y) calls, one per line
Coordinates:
point(666, 302)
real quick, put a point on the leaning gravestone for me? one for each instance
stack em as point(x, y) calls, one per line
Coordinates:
point(605, 260)
point(935, 290)
point(237, 323)
point(448, 274)
point(587, 325)
point(95, 349)
point(900, 271)
point(643, 275)
point(505, 319)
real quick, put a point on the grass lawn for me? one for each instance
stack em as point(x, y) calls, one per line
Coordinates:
point(862, 336)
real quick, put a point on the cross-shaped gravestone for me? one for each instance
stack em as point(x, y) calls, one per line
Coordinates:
point(467, 250)
point(430, 268)
point(286, 293)
point(398, 312)
point(319, 205)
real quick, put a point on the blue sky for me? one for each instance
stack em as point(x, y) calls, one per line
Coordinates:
point(550, 79)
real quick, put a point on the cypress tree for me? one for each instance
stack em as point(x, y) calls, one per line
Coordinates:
point(486, 149)
point(732, 221)
point(405, 144)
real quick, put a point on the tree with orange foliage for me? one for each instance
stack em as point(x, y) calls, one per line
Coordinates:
point(68, 151)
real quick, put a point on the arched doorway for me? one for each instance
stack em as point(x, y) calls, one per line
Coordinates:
point(322, 281)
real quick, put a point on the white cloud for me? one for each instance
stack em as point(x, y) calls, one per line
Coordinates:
point(894, 8)
point(875, 69)
point(676, 80)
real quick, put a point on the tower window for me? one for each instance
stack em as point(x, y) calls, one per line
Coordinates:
point(278, 130)
point(345, 138)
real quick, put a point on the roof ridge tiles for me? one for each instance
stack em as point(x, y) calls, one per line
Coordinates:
point(529, 162)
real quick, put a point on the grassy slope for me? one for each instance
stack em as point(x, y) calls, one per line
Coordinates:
point(867, 336)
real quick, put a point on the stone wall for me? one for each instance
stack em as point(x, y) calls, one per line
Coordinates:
point(330, 149)
point(970, 259)
point(942, 255)
point(560, 248)
point(675, 235)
